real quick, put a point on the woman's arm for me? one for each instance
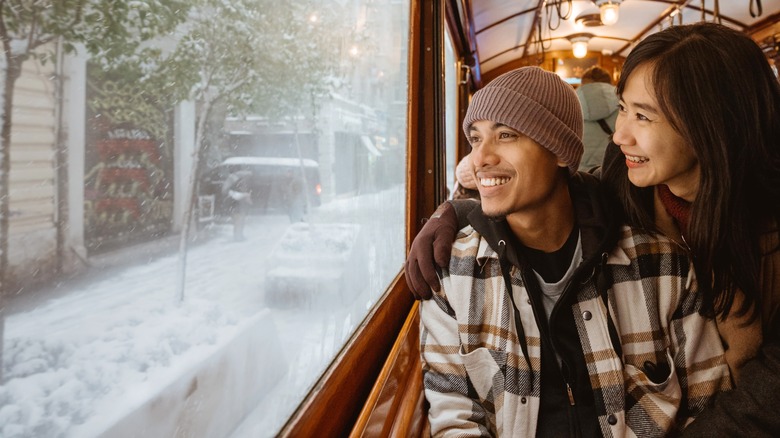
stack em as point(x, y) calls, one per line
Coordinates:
point(432, 247)
point(741, 336)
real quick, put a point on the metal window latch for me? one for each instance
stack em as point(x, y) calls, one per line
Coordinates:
point(467, 74)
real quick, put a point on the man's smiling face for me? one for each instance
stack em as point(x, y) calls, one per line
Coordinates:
point(514, 173)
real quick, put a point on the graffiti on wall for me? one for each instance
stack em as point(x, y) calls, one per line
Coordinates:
point(128, 192)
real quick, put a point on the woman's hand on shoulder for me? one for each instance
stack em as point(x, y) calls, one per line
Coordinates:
point(430, 251)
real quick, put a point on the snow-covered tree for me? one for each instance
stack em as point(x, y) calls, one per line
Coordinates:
point(249, 56)
point(105, 27)
point(258, 56)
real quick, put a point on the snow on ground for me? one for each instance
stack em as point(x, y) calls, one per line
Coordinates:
point(75, 362)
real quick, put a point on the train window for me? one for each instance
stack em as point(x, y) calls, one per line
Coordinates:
point(271, 135)
point(450, 98)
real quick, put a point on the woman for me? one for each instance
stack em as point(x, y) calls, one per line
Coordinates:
point(699, 136)
point(699, 131)
point(699, 160)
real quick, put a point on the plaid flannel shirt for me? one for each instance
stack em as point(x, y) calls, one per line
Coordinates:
point(479, 383)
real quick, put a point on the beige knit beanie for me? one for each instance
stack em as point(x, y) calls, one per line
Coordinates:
point(536, 103)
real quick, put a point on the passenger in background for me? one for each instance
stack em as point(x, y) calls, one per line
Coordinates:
point(553, 319)
point(699, 161)
point(294, 197)
point(465, 180)
point(238, 195)
point(599, 110)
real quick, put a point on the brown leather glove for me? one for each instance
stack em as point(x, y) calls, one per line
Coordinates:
point(431, 249)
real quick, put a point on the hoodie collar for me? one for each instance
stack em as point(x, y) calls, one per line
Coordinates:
point(598, 220)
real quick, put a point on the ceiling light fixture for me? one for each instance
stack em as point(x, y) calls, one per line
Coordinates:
point(579, 44)
point(610, 11)
point(588, 20)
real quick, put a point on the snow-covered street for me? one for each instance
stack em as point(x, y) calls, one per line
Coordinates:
point(77, 363)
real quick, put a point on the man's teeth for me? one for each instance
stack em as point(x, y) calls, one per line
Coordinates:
point(491, 182)
point(637, 159)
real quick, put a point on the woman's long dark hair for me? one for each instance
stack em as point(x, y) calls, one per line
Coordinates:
point(718, 92)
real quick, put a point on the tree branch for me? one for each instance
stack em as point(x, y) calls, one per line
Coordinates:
point(34, 41)
point(236, 85)
point(79, 10)
point(30, 36)
point(4, 31)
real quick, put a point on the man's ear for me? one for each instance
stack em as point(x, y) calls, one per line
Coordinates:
point(562, 164)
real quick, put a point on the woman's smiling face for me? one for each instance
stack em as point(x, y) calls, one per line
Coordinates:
point(655, 152)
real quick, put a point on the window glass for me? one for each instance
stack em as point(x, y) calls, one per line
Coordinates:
point(451, 108)
point(206, 199)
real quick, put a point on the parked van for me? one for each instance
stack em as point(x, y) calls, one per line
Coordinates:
point(275, 183)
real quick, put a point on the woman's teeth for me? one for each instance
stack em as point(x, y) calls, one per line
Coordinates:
point(491, 182)
point(637, 159)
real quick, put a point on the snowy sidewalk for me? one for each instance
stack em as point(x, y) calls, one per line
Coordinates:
point(80, 362)
point(69, 361)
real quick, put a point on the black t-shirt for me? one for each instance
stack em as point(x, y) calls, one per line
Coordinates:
point(552, 266)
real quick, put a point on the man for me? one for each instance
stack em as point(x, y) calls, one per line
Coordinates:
point(294, 196)
point(238, 198)
point(552, 319)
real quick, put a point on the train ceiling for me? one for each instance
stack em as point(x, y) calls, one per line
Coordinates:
point(501, 31)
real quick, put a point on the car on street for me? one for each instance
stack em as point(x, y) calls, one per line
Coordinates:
point(275, 183)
